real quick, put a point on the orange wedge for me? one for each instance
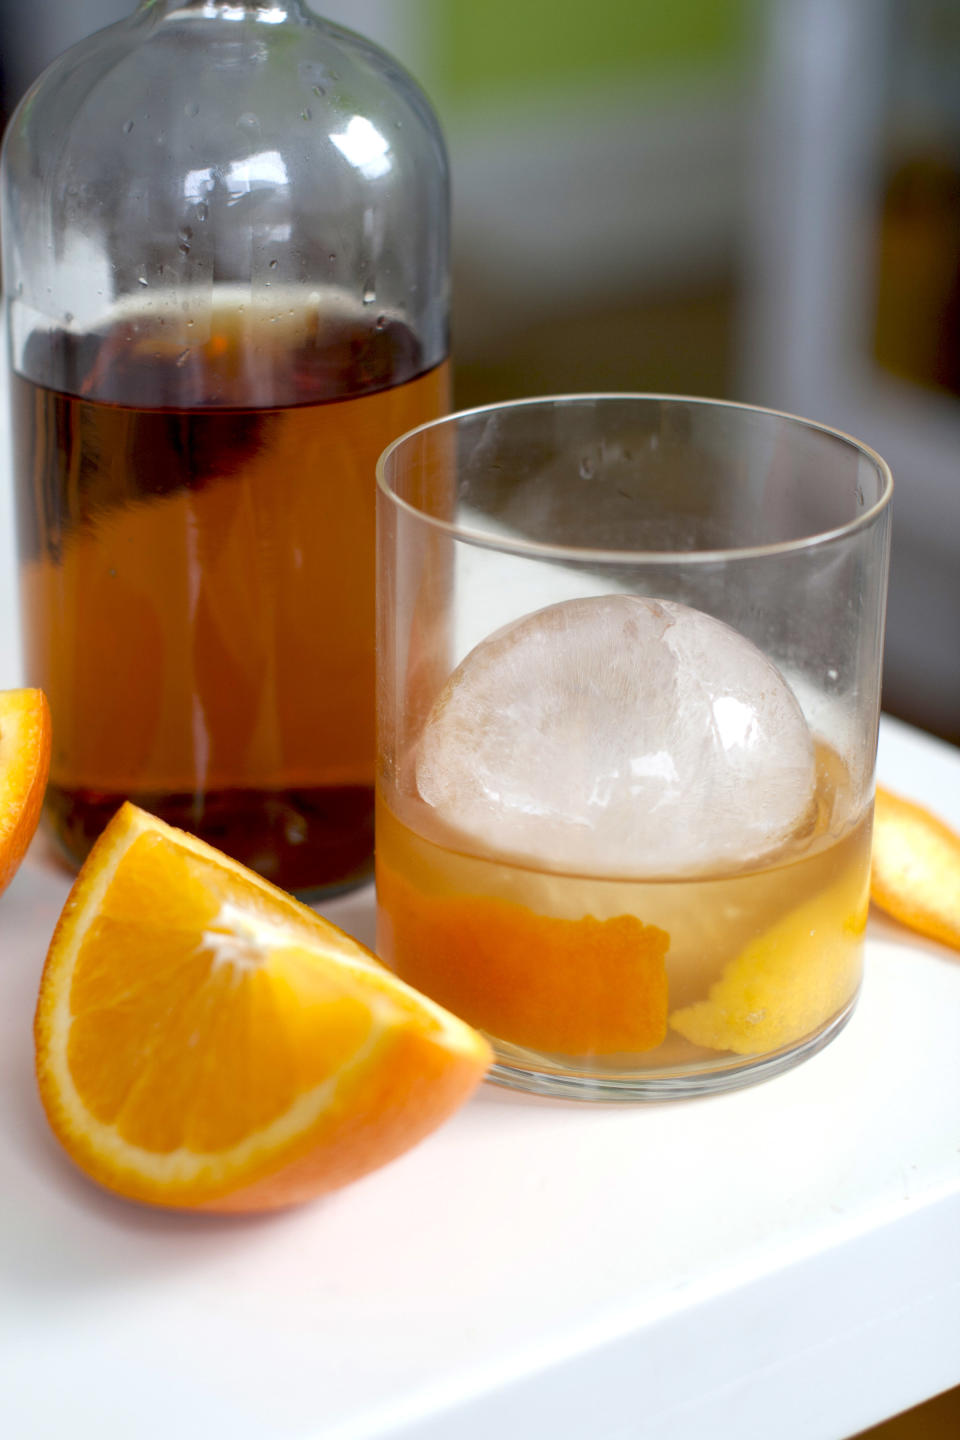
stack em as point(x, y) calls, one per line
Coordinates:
point(24, 767)
point(915, 868)
point(205, 1041)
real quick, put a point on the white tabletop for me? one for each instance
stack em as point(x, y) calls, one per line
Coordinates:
point(783, 1261)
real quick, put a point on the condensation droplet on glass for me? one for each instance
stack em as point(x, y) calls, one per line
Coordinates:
point(202, 210)
point(273, 264)
point(127, 127)
point(248, 121)
point(142, 280)
point(68, 317)
point(319, 90)
point(182, 358)
point(833, 674)
point(306, 114)
point(381, 322)
point(860, 495)
point(369, 294)
point(331, 257)
point(586, 468)
point(191, 108)
point(184, 247)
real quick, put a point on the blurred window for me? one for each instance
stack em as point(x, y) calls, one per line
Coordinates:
point(917, 286)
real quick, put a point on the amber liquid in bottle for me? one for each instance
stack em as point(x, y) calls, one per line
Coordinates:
point(198, 575)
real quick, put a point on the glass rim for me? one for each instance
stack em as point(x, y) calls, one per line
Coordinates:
point(542, 550)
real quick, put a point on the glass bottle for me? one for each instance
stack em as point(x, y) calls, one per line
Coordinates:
point(226, 272)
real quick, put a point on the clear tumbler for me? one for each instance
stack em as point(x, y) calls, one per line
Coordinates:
point(628, 693)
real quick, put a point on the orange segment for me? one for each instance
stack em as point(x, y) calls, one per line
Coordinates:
point(570, 987)
point(24, 767)
point(915, 871)
point(203, 1040)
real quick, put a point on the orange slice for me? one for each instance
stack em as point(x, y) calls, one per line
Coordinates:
point(205, 1041)
point(569, 987)
point(24, 767)
point(915, 870)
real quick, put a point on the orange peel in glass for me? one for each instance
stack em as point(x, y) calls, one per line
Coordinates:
point(569, 987)
point(789, 981)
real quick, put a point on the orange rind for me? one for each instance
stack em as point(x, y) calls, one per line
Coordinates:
point(915, 868)
point(568, 987)
point(788, 982)
point(204, 1041)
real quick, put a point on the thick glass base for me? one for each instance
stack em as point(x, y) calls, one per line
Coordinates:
point(313, 842)
point(712, 1077)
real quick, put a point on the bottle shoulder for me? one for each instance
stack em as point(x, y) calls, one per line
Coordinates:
point(192, 93)
point(157, 166)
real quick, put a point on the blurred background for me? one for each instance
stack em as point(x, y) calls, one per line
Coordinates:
point(751, 199)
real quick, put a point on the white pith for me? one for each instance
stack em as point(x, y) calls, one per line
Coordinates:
point(235, 937)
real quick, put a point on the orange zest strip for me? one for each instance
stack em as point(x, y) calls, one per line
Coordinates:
point(789, 980)
point(569, 987)
point(915, 868)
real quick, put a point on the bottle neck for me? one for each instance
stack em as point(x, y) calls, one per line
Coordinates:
point(271, 11)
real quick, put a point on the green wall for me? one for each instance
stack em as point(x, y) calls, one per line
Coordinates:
point(483, 49)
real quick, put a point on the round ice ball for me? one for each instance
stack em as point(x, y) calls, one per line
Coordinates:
point(619, 736)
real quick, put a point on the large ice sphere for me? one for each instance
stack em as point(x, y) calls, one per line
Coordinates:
point(622, 736)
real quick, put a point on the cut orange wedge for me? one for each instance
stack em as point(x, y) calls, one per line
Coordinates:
point(205, 1041)
point(915, 868)
point(24, 767)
